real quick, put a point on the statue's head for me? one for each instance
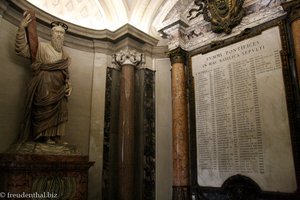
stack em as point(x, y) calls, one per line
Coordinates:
point(58, 35)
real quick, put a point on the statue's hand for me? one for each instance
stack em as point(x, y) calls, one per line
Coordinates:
point(68, 89)
point(26, 20)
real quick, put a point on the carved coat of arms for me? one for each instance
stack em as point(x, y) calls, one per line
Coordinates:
point(223, 14)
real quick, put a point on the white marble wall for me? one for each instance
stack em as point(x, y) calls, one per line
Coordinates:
point(163, 129)
point(15, 73)
point(101, 61)
point(79, 105)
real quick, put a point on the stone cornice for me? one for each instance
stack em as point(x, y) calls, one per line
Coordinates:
point(178, 22)
point(77, 37)
point(193, 34)
point(175, 31)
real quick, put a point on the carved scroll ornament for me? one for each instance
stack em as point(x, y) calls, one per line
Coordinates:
point(128, 56)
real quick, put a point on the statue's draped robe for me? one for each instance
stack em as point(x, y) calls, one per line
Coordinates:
point(46, 104)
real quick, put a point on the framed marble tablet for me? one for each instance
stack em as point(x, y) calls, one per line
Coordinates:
point(242, 124)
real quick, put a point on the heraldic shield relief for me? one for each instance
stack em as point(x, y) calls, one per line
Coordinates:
point(224, 14)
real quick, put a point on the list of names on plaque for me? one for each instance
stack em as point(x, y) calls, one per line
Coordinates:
point(232, 119)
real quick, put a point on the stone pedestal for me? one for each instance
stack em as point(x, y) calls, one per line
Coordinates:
point(44, 176)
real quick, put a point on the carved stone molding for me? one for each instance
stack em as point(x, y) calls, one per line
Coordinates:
point(142, 64)
point(293, 9)
point(127, 57)
point(114, 63)
point(176, 33)
point(191, 29)
point(178, 56)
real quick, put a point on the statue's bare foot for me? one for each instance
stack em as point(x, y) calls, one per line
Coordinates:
point(58, 140)
point(49, 141)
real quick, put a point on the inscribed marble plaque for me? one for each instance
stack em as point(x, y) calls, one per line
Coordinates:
point(242, 121)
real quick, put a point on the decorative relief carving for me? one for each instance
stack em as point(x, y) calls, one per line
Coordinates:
point(222, 14)
point(114, 63)
point(63, 186)
point(201, 8)
point(142, 63)
point(176, 34)
point(257, 13)
point(225, 14)
point(45, 177)
point(177, 56)
point(193, 32)
point(127, 56)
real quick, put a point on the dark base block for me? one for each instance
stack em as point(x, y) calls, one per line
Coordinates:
point(44, 176)
point(181, 193)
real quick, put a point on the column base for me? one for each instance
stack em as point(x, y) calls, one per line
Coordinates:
point(181, 193)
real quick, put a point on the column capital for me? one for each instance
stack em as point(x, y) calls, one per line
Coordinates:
point(178, 55)
point(127, 57)
point(292, 8)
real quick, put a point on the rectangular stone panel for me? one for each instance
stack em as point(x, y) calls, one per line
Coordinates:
point(242, 124)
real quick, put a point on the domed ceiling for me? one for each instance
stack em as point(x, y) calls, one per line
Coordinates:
point(109, 14)
point(150, 16)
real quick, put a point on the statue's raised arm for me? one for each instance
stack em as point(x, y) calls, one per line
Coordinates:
point(21, 45)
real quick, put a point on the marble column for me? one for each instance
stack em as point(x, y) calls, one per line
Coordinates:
point(181, 177)
point(293, 13)
point(128, 60)
point(292, 9)
point(296, 37)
